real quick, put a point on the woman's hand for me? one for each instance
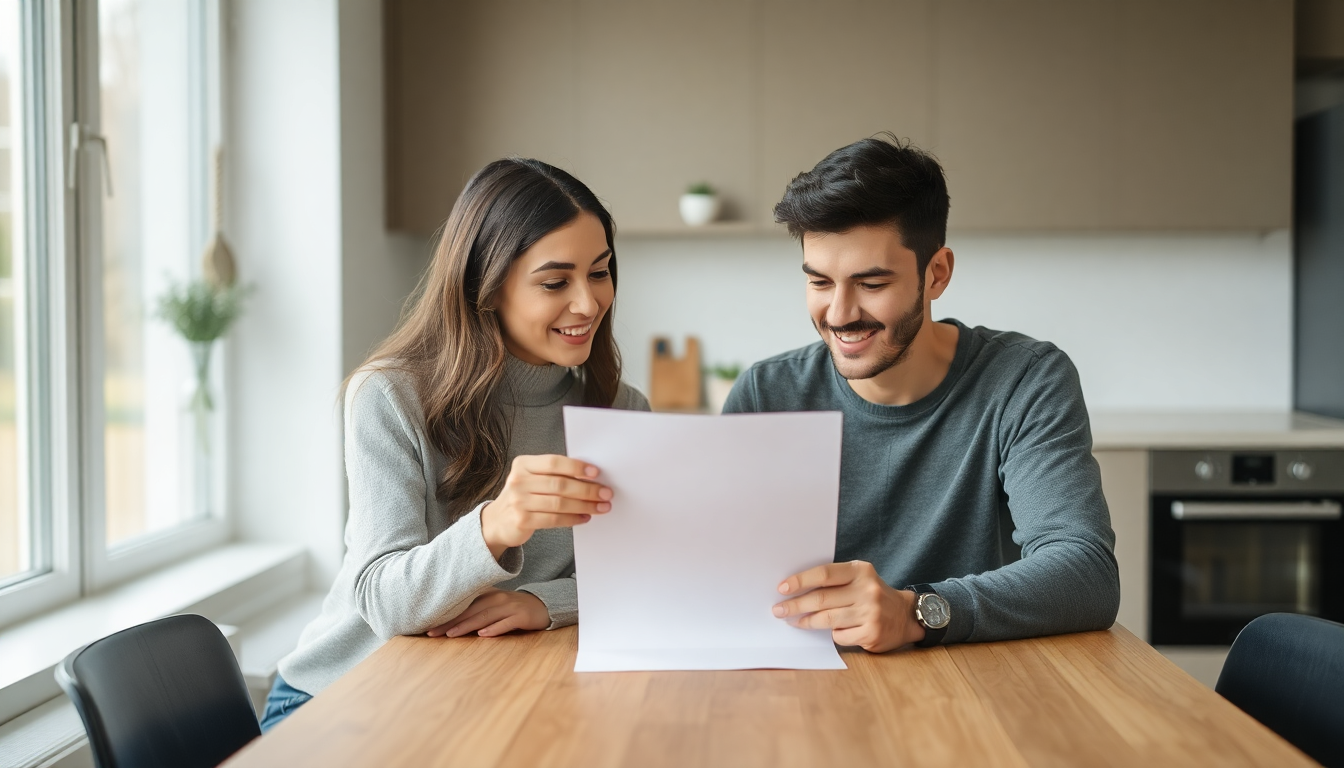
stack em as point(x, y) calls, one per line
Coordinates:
point(496, 612)
point(542, 492)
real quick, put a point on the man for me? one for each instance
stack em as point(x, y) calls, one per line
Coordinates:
point(953, 436)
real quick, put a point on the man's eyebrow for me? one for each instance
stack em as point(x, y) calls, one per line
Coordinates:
point(566, 265)
point(872, 272)
point(867, 273)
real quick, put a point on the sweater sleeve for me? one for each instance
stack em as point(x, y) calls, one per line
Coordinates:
point(561, 596)
point(1067, 579)
point(406, 582)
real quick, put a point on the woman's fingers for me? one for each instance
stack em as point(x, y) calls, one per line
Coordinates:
point(551, 464)
point(503, 626)
point(558, 485)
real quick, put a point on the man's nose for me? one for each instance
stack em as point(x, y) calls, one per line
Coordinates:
point(843, 309)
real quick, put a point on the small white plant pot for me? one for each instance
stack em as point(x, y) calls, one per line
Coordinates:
point(716, 393)
point(699, 210)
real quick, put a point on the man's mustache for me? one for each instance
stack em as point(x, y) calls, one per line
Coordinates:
point(858, 326)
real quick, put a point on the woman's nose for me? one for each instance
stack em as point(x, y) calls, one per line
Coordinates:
point(585, 303)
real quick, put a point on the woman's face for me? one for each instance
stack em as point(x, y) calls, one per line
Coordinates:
point(557, 293)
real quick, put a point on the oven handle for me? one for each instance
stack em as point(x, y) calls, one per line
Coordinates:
point(1255, 510)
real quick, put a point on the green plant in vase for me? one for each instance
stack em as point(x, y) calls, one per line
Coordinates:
point(201, 311)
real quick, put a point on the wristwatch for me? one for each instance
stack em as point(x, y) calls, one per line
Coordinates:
point(932, 612)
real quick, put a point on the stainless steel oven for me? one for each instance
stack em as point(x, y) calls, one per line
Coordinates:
point(1238, 534)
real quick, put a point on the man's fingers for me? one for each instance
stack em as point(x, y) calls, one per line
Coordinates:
point(829, 575)
point(839, 618)
point(568, 487)
point(552, 464)
point(817, 600)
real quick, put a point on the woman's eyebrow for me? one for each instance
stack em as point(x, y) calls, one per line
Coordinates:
point(554, 265)
point(567, 265)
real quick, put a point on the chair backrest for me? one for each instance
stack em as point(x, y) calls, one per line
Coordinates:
point(1287, 671)
point(164, 693)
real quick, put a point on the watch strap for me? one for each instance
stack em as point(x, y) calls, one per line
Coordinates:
point(932, 636)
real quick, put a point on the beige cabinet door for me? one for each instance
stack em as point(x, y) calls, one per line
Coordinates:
point(832, 73)
point(468, 83)
point(665, 93)
point(1018, 119)
point(1199, 123)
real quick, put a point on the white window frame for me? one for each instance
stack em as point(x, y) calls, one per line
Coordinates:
point(53, 459)
point(104, 566)
point(65, 234)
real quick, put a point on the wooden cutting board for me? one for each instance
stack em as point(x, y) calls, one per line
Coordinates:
point(674, 383)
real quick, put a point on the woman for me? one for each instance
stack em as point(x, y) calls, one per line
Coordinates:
point(461, 498)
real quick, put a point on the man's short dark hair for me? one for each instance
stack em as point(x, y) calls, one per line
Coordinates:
point(876, 181)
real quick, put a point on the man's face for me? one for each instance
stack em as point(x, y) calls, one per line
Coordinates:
point(865, 297)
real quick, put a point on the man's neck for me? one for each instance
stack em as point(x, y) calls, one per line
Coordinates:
point(922, 370)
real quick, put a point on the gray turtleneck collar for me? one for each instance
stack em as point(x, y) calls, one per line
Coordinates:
point(534, 385)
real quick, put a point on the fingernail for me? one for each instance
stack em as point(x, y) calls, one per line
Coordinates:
point(590, 471)
point(584, 518)
point(603, 507)
point(604, 494)
point(778, 610)
point(784, 588)
point(450, 633)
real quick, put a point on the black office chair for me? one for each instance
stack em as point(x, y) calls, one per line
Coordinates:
point(165, 693)
point(1287, 671)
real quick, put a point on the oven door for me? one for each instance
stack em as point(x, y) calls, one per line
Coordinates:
point(1219, 562)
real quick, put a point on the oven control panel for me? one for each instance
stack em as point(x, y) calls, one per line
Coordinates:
point(1250, 471)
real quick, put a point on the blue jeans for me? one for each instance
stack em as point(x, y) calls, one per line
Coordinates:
point(281, 702)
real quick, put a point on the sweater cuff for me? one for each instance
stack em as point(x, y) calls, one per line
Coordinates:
point(561, 599)
point(962, 604)
point(509, 564)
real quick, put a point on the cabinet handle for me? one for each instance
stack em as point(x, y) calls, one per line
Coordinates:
point(1251, 510)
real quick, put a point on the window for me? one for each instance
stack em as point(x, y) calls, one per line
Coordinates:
point(108, 121)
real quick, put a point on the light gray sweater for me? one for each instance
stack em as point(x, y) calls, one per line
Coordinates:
point(413, 562)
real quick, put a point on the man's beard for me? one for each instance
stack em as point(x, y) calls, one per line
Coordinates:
point(896, 346)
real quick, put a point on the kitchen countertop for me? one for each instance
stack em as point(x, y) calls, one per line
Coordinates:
point(1118, 430)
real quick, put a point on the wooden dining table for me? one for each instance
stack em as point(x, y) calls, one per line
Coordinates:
point(1088, 699)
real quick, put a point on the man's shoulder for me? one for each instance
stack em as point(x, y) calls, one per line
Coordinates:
point(1013, 344)
point(799, 364)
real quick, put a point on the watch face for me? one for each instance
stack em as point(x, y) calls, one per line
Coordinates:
point(934, 611)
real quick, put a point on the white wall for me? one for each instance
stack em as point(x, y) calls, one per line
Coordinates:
point(304, 215)
point(379, 268)
point(1153, 321)
point(283, 218)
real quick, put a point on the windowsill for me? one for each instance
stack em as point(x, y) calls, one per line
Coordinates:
point(227, 585)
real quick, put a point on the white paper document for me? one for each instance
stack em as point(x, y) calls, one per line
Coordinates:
point(710, 514)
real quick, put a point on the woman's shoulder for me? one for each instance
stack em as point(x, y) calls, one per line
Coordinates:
point(382, 385)
point(630, 399)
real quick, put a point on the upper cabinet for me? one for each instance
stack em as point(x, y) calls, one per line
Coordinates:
point(1062, 115)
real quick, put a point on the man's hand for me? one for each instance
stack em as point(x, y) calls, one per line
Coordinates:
point(496, 612)
point(542, 492)
point(852, 601)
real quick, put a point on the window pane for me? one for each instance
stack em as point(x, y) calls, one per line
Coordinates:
point(16, 524)
point(150, 96)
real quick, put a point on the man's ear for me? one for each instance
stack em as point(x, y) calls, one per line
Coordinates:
point(939, 273)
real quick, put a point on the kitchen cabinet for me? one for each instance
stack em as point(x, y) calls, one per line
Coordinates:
point(1049, 115)
point(1124, 482)
point(665, 95)
point(823, 84)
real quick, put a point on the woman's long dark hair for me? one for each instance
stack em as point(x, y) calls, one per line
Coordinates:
point(451, 343)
